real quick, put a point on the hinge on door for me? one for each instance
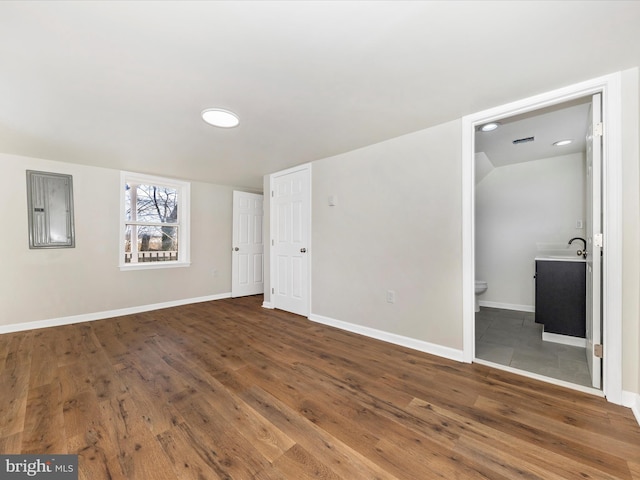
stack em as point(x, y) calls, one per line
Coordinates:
point(273, 193)
point(273, 290)
point(597, 240)
point(597, 350)
point(597, 129)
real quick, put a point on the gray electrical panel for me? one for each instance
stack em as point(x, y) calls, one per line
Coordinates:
point(50, 204)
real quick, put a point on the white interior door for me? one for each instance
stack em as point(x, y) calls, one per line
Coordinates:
point(247, 257)
point(594, 229)
point(291, 198)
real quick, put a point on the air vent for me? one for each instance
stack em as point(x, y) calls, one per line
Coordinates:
point(523, 140)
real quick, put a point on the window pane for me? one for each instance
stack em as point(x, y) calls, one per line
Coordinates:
point(152, 244)
point(154, 228)
point(153, 203)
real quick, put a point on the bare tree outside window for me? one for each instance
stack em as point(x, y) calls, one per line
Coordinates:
point(151, 223)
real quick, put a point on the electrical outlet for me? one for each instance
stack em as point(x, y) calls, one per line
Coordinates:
point(391, 296)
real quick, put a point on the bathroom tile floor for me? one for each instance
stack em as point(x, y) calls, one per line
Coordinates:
point(512, 338)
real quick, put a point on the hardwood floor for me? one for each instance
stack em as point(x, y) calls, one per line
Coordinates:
point(229, 390)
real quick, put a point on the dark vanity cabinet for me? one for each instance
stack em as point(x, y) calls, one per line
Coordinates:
point(560, 296)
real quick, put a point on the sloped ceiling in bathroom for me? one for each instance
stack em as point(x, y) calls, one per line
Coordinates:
point(483, 166)
point(549, 125)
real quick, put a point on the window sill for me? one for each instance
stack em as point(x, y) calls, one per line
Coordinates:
point(152, 265)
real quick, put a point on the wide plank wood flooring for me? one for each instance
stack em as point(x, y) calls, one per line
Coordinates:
point(229, 390)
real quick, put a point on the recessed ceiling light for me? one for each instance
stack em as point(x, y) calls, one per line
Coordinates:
point(220, 118)
point(562, 143)
point(489, 127)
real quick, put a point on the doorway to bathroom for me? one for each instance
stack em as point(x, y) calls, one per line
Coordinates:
point(525, 199)
point(530, 198)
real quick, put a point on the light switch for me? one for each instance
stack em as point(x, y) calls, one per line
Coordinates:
point(333, 200)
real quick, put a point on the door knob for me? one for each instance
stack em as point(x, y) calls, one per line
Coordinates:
point(236, 249)
point(303, 250)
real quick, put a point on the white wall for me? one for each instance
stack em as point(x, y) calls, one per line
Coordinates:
point(51, 284)
point(521, 210)
point(631, 233)
point(396, 226)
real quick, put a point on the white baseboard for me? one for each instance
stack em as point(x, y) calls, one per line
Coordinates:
point(507, 306)
point(564, 339)
point(439, 350)
point(632, 400)
point(89, 317)
point(268, 305)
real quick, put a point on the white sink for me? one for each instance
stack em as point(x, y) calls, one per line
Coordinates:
point(561, 258)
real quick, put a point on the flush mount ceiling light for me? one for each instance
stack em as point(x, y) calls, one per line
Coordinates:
point(489, 127)
point(220, 118)
point(561, 143)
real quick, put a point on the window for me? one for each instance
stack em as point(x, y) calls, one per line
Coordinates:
point(154, 231)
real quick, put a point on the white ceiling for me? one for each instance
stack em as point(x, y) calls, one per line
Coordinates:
point(122, 84)
point(567, 121)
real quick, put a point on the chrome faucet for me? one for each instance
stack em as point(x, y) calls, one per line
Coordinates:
point(582, 252)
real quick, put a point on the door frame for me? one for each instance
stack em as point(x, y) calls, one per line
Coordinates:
point(273, 272)
point(610, 87)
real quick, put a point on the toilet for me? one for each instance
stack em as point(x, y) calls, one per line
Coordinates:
point(481, 287)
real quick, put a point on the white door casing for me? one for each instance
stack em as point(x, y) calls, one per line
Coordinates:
point(247, 256)
point(290, 240)
point(610, 87)
point(594, 227)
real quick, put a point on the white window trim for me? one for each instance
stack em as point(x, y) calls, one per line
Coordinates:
point(184, 215)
